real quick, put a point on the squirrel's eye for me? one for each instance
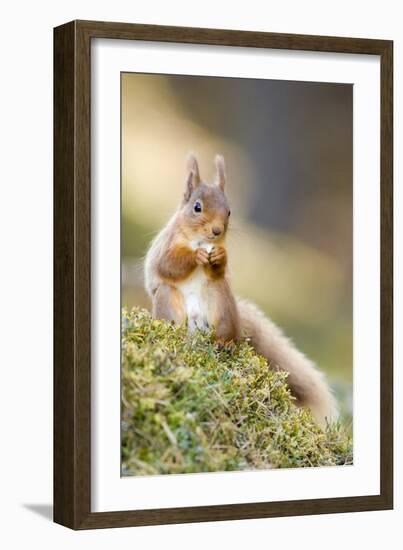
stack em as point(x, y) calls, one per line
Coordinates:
point(229, 213)
point(197, 207)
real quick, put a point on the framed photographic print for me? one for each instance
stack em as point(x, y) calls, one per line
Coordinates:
point(222, 274)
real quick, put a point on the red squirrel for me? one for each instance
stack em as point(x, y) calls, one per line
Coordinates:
point(186, 275)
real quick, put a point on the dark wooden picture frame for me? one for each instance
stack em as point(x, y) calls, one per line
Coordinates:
point(72, 274)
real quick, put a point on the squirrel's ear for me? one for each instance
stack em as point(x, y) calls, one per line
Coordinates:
point(220, 167)
point(193, 177)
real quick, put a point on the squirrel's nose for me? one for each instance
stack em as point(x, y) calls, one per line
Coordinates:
point(216, 231)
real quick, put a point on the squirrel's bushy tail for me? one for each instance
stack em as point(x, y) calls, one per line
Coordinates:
point(307, 384)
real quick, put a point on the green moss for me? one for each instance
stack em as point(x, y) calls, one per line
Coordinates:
point(189, 406)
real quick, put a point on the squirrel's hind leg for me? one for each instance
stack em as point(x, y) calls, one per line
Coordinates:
point(168, 304)
point(223, 313)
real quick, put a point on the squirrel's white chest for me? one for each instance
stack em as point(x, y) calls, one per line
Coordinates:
point(194, 292)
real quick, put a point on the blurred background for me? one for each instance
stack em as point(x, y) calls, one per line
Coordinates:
point(289, 152)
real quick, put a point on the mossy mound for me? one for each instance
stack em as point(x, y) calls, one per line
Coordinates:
point(189, 406)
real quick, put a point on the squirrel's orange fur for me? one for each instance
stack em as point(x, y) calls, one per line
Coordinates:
point(186, 278)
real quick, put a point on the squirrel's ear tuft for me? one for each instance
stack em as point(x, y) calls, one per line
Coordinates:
point(193, 166)
point(193, 176)
point(220, 167)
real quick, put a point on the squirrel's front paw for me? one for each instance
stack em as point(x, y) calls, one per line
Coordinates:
point(218, 256)
point(202, 256)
